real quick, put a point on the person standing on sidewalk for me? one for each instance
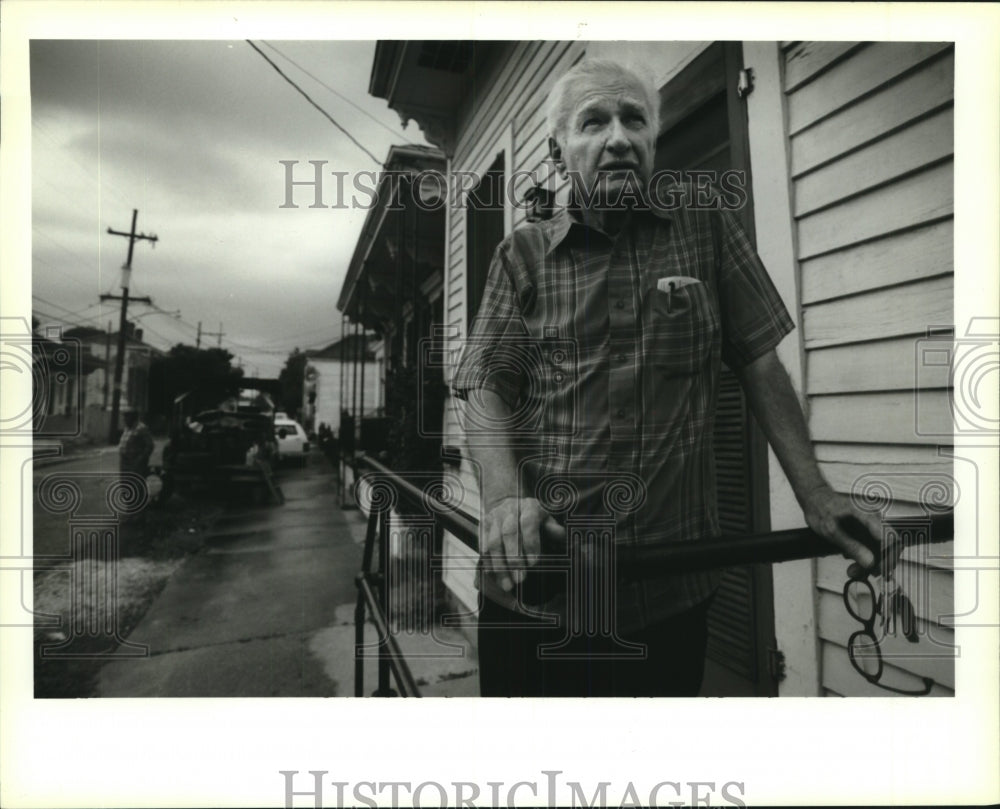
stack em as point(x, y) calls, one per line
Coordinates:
point(136, 444)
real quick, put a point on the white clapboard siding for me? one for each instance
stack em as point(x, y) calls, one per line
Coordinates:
point(900, 258)
point(882, 418)
point(806, 60)
point(522, 84)
point(879, 457)
point(877, 366)
point(871, 142)
point(904, 468)
point(906, 483)
point(874, 65)
point(454, 241)
point(458, 576)
point(933, 655)
point(914, 200)
point(926, 141)
point(882, 112)
point(840, 677)
point(531, 139)
point(908, 309)
point(931, 590)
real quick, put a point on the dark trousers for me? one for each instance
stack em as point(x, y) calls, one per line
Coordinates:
point(510, 664)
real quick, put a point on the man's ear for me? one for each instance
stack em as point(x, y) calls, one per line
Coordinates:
point(555, 155)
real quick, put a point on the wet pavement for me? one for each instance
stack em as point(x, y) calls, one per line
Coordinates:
point(266, 609)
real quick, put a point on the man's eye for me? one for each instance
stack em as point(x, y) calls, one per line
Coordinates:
point(590, 123)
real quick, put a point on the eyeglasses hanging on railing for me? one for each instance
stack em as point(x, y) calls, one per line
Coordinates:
point(889, 612)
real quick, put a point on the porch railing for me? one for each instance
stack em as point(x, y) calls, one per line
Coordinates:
point(373, 581)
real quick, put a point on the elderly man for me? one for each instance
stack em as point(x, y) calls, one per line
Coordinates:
point(649, 299)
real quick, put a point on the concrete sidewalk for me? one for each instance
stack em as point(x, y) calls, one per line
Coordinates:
point(266, 609)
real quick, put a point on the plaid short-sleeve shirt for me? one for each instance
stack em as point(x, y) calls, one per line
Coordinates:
point(608, 352)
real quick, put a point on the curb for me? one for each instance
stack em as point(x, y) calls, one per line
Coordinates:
point(54, 460)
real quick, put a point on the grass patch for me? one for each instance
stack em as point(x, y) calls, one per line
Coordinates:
point(86, 605)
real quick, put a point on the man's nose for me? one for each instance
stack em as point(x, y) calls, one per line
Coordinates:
point(618, 141)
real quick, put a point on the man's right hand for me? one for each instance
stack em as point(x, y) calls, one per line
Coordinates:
point(512, 538)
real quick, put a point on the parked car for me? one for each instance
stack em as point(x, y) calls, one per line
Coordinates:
point(293, 443)
point(220, 449)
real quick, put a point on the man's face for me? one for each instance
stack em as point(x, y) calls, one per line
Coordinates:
point(131, 419)
point(608, 139)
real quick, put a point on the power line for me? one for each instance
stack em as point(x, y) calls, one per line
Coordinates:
point(37, 229)
point(58, 270)
point(340, 95)
point(62, 319)
point(306, 96)
point(68, 312)
point(64, 153)
point(85, 308)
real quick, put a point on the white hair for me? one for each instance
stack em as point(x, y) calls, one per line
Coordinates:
point(589, 72)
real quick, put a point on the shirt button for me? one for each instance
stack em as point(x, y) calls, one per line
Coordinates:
point(621, 414)
point(620, 304)
point(621, 358)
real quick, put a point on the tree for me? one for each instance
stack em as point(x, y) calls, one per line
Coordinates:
point(205, 374)
point(291, 380)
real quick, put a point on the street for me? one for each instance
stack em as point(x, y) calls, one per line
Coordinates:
point(91, 473)
point(262, 608)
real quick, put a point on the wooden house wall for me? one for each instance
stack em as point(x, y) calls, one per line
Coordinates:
point(871, 144)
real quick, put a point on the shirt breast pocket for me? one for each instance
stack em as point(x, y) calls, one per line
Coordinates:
point(684, 326)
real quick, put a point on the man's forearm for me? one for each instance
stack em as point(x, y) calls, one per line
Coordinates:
point(776, 407)
point(491, 449)
point(828, 513)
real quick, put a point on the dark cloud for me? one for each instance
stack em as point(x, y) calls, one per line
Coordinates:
point(191, 133)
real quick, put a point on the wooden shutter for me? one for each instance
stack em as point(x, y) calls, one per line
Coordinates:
point(732, 638)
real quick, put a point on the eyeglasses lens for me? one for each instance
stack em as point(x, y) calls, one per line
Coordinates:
point(860, 600)
point(865, 654)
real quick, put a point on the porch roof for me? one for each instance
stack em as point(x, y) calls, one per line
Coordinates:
point(399, 237)
point(426, 81)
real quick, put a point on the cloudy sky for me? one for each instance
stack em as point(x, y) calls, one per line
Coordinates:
point(190, 134)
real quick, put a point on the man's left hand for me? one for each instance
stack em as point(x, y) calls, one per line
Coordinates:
point(832, 515)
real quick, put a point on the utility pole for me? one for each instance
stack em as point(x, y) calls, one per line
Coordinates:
point(116, 395)
point(220, 333)
point(107, 362)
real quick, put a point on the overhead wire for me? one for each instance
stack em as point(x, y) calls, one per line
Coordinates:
point(337, 93)
point(69, 313)
point(307, 97)
point(62, 319)
point(63, 152)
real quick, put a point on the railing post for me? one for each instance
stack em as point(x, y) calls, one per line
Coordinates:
point(359, 642)
point(359, 607)
point(384, 686)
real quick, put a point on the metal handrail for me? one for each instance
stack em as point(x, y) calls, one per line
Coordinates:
point(632, 561)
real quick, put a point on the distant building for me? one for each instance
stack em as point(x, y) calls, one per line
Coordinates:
point(101, 347)
point(331, 371)
point(63, 370)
